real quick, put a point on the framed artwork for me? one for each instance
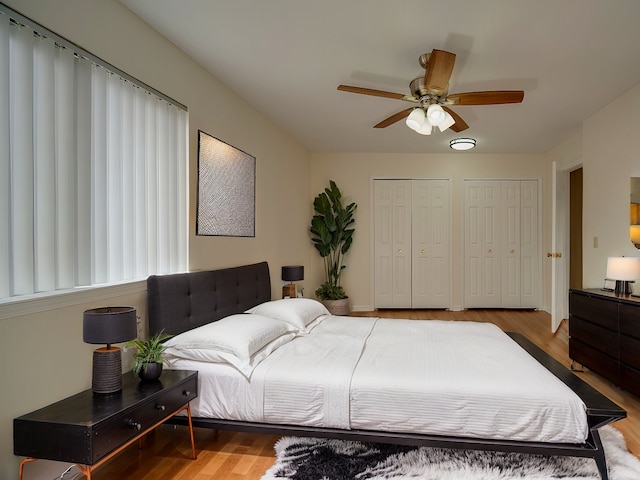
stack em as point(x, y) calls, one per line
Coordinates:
point(226, 189)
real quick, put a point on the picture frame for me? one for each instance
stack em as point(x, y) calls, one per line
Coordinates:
point(226, 189)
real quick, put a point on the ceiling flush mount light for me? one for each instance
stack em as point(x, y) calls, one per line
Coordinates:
point(462, 143)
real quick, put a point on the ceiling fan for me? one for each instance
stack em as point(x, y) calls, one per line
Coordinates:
point(431, 93)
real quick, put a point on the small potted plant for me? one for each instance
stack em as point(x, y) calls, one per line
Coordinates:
point(147, 362)
point(332, 235)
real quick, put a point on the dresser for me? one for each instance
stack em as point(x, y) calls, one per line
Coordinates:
point(604, 335)
point(88, 429)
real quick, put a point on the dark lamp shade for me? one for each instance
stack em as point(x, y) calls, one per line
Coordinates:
point(292, 273)
point(109, 325)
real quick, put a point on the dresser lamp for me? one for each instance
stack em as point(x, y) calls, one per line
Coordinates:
point(624, 270)
point(291, 273)
point(108, 325)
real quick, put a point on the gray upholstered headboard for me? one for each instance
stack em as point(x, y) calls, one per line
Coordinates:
point(183, 301)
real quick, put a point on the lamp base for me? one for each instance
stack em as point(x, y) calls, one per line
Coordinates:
point(623, 287)
point(107, 370)
point(289, 290)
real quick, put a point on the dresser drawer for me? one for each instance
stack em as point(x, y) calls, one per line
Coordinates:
point(593, 335)
point(630, 379)
point(630, 320)
point(594, 310)
point(630, 351)
point(594, 359)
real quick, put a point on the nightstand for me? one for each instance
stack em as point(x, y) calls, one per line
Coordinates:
point(88, 429)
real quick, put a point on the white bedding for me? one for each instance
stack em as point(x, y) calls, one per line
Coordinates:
point(436, 377)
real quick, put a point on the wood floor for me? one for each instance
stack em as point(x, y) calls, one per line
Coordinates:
point(228, 455)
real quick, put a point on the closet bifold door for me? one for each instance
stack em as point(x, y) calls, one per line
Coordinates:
point(411, 243)
point(502, 257)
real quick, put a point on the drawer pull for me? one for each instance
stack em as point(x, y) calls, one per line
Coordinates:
point(186, 393)
point(132, 424)
point(160, 407)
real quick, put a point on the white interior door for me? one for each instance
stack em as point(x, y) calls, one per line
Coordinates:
point(392, 243)
point(502, 258)
point(529, 245)
point(482, 244)
point(430, 244)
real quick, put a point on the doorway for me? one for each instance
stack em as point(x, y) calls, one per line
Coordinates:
point(575, 229)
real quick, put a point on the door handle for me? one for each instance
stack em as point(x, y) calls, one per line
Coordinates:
point(554, 255)
point(399, 250)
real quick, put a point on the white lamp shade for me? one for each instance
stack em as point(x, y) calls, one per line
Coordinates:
point(436, 115)
point(415, 120)
point(447, 122)
point(623, 268)
point(425, 129)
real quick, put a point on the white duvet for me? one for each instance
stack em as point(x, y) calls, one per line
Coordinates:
point(456, 378)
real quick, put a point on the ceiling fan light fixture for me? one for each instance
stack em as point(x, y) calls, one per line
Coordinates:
point(425, 129)
point(436, 115)
point(447, 122)
point(462, 143)
point(416, 119)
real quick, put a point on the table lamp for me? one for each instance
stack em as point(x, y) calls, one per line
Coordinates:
point(108, 325)
point(624, 270)
point(291, 273)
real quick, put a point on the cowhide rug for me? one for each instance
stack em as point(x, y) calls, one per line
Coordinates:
point(322, 459)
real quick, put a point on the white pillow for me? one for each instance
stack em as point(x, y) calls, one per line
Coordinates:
point(299, 312)
point(237, 339)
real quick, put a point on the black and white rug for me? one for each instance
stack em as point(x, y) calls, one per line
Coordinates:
point(322, 459)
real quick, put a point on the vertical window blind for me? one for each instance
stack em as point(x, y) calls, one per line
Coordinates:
point(93, 168)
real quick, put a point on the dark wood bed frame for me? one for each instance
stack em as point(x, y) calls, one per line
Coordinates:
point(181, 302)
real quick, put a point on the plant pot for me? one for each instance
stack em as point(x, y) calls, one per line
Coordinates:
point(150, 371)
point(337, 307)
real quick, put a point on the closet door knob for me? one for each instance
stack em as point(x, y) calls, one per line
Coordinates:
point(399, 250)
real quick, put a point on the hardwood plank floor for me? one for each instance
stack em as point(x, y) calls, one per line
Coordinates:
point(230, 455)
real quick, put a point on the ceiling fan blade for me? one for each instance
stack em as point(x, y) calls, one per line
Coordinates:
point(438, 71)
point(460, 124)
point(497, 97)
point(369, 91)
point(396, 117)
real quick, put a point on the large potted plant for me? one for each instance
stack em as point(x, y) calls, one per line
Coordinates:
point(332, 235)
point(147, 362)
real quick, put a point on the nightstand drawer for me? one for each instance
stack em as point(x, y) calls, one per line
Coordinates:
point(128, 424)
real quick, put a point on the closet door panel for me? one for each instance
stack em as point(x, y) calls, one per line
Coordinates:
point(482, 244)
point(430, 244)
point(510, 251)
point(529, 247)
point(392, 244)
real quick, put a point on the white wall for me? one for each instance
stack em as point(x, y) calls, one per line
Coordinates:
point(42, 356)
point(610, 158)
point(354, 173)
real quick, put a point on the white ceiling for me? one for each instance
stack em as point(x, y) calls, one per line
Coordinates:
point(286, 58)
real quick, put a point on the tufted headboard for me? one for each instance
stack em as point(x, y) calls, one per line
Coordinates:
point(183, 301)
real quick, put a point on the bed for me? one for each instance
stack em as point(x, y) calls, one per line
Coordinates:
point(342, 392)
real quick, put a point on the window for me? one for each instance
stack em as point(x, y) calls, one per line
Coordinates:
point(93, 168)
